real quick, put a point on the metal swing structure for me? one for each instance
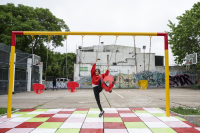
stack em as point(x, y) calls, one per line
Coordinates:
point(48, 33)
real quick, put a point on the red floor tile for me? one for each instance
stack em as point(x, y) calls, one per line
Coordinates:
point(186, 130)
point(114, 125)
point(136, 108)
point(131, 119)
point(56, 119)
point(29, 125)
point(125, 111)
point(82, 109)
point(3, 130)
point(65, 112)
point(45, 115)
point(27, 110)
point(187, 122)
point(91, 130)
point(111, 115)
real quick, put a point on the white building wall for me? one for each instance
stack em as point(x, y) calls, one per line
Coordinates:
point(113, 70)
point(140, 61)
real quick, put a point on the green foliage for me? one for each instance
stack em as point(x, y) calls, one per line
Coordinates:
point(25, 18)
point(186, 111)
point(185, 37)
point(58, 64)
point(4, 110)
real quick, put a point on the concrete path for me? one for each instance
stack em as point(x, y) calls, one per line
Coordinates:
point(119, 98)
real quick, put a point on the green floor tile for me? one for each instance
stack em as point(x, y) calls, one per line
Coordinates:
point(80, 112)
point(50, 125)
point(180, 118)
point(159, 114)
point(94, 109)
point(38, 119)
point(28, 115)
point(140, 111)
point(93, 115)
point(18, 113)
point(67, 130)
point(135, 125)
point(162, 130)
point(41, 110)
point(112, 119)
point(159, 109)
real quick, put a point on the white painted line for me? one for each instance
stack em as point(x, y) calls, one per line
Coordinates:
point(118, 94)
point(81, 92)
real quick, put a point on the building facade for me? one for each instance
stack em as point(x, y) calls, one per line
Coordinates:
point(128, 65)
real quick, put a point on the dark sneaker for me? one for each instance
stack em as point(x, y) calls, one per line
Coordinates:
point(110, 91)
point(101, 114)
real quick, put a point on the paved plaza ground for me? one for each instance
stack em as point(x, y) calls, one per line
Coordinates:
point(126, 111)
point(119, 98)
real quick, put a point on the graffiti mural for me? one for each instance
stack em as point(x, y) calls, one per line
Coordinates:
point(125, 81)
point(180, 80)
point(156, 79)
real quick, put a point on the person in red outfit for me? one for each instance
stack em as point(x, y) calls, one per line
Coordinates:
point(97, 78)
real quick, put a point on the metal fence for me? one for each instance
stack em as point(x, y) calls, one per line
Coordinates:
point(20, 81)
point(20, 69)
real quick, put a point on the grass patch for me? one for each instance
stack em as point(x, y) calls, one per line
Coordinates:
point(186, 111)
point(4, 110)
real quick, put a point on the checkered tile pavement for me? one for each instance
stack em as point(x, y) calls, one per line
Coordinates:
point(86, 120)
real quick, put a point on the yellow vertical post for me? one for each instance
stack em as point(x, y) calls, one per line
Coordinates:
point(11, 78)
point(167, 83)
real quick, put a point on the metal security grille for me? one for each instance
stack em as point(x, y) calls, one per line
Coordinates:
point(20, 69)
point(3, 81)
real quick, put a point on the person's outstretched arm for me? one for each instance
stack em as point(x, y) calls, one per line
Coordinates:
point(93, 69)
point(107, 72)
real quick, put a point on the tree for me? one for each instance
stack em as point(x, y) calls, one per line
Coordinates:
point(184, 37)
point(57, 62)
point(25, 18)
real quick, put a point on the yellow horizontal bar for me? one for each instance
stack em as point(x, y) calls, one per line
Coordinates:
point(90, 33)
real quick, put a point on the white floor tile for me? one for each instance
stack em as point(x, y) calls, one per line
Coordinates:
point(154, 111)
point(54, 110)
point(71, 125)
point(94, 119)
point(93, 112)
point(78, 115)
point(139, 130)
point(36, 112)
point(168, 119)
point(13, 116)
point(110, 109)
point(69, 109)
point(44, 130)
point(122, 108)
point(144, 115)
point(127, 115)
point(156, 125)
point(20, 119)
point(198, 128)
point(49, 112)
point(61, 115)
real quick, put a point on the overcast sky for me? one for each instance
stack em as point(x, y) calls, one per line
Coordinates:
point(114, 16)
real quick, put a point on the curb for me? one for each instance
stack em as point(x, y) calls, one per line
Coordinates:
point(11, 112)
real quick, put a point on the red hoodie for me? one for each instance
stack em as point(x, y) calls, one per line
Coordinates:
point(95, 78)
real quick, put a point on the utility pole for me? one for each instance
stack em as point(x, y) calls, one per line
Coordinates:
point(144, 47)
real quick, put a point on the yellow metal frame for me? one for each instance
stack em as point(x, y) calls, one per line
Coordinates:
point(32, 33)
